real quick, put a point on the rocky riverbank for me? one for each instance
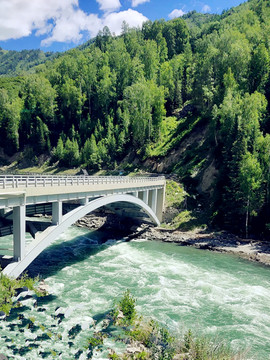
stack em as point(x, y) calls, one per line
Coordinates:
point(253, 250)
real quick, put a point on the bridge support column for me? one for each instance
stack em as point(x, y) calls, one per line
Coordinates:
point(160, 203)
point(57, 213)
point(19, 232)
point(84, 201)
point(140, 195)
point(153, 200)
point(145, 196)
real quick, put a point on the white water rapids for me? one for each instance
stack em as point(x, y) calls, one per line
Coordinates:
point(183, 288)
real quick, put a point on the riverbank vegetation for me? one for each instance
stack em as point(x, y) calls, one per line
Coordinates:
point(150, 340)
point(10, 288)
point(119, 334)
point(188, 96)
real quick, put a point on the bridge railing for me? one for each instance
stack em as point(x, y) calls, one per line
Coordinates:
point(19, 181)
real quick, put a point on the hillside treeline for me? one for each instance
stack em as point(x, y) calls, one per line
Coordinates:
point(95, 104)
point(15, 62)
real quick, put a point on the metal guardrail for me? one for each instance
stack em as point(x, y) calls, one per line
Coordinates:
point(19, 181)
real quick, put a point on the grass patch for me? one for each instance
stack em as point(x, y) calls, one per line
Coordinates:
point(173, 133)
point(183, 212)
point(192, 161)
point(175, 194)
point(44, 169)
point(168, 128)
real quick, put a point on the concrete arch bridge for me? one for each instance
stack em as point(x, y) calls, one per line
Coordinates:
point(134, 197)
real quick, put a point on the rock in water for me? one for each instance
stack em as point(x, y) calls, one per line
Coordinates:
point(21, 289)
point(2, 316)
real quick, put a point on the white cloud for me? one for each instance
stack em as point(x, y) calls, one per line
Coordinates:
point(69, 26)
point(114, 20)
point(206, 9)
point(19, 18)
point(138, 2)
point(176, 13)
point(109, 5)
point(60, 20)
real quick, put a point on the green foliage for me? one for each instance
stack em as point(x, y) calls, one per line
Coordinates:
point(96, 340)
point(175, 194)
point(201, 348)
point(162, 345)
point(127, 306)
point(183, 220)
point(93, 105)
point(8, 288)
point(144, 101)
point(16, 62)
point(124, 312)
point(250, 179)
point(114, 356)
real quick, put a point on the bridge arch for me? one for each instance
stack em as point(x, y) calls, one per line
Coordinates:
point(51, 233)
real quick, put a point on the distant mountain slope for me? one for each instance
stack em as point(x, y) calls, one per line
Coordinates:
point(15, 62)
point(196, 22)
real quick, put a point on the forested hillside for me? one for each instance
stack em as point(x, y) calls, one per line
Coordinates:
point(148, 92)
point(15, 62)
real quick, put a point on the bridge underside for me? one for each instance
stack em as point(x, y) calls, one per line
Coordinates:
point(123, 205)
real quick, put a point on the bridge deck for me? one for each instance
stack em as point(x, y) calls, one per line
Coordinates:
point(21, 189)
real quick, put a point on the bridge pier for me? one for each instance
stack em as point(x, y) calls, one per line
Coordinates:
point(57, 212)
point(160, 203)
point(19, 232)
point(145, 196)
point(140, 195)
point(84, 201)
point(153, 200)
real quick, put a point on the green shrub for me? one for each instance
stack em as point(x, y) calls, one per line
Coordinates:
point(127, 307)
point(159, 343)
point(96, 340)
point(114, 356)
point(8, 288)
point(201, 348)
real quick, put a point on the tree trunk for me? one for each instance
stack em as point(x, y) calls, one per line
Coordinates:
point(247, 218)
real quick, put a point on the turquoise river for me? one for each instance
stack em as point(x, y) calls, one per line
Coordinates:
point(183, 288)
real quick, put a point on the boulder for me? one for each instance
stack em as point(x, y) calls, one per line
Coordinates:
point(59, 310)
point(68, 312)
point(43, 287)
point(2, 315)
point(21, 289)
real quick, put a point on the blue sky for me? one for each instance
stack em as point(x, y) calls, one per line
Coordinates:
point(58, 25)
